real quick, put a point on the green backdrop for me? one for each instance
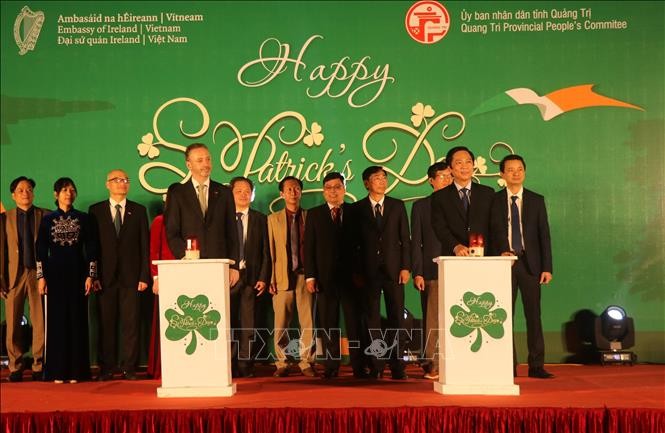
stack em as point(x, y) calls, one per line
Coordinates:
point(277, 88)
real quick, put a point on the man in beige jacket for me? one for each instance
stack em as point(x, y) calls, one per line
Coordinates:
point(286, 230)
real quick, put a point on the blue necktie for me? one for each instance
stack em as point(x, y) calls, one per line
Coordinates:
point(465, 199)
point(117, 220)
point(295, 243)
point(378, 216)
point(516, 236)
point(241, 237)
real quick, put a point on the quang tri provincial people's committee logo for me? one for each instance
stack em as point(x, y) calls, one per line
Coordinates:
point(27, 26)
point(427, 22)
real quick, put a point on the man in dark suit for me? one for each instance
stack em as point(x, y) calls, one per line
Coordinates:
point(124, 272)
point(384, 254)
point(203, 209)
point(328, 273)
point(254, 266)
point(18, 280)
point(462, 207)
point(424, 247)
point(520, 227)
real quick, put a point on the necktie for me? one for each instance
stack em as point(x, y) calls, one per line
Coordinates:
point(202, 198)
point(28, 243)
point(465, 198)
point(516, 235)
point(295, 243)
point(117, 219)
point(378, 216)
point(241, 237)
point(335, 213)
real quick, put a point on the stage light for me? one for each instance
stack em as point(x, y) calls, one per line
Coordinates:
point(615, 332)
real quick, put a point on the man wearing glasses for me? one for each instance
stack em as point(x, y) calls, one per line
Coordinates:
point(124, 272)
point(424, 247)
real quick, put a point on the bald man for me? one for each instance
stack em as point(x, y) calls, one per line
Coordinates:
point(124, 270)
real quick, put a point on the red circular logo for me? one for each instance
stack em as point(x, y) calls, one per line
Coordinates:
point(427, 22)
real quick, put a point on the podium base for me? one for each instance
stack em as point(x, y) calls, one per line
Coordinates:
point(197, 391)
point(509, 389)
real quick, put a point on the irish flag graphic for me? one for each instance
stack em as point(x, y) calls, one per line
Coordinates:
point(552, 104)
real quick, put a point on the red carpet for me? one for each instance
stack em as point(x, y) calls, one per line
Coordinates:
point(580, 399)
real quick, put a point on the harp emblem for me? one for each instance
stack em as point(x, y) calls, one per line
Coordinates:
point(27, 26)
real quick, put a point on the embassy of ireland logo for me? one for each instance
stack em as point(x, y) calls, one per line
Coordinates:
point(27, 26)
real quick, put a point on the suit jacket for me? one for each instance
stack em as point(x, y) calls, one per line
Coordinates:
point(392, 239)
point(124, 258)
point(424, 243)
point(10, 262)
point(216, 232)
point(452, 225)
point(327, 248)
point(277, 231)
point(257, 252)
point(535, 230)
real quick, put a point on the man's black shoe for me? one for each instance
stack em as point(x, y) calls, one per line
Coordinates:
point(105, 376)
point(399, 375)
point(245, 372)
point(540, 373)
point(16, 376)
point(37, 376)
point(360, 374)
point(130, 375)
point(330, 373)
point(374, 374)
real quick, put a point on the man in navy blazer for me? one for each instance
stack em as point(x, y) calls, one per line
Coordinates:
point(328, 273)
point(255, 270)
point(520, 227)
point(424, 247)
point(462, 207)
point(383, 247)
point(204, 209)
point(124, 272)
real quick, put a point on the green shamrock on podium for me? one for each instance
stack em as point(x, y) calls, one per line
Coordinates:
point(479, 316)
point(194, 318)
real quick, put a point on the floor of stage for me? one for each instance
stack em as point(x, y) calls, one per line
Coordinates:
point(640, 386)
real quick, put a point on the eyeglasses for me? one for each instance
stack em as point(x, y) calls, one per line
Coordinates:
point(119, 180)
point(333, 187)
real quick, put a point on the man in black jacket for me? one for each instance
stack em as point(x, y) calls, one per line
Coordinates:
point(124, 241)
point(328, 273)
point(384, 259)
point(520, 227)
point(203, 209)
point(424, 247)
point(254, 266)
point(462, 207)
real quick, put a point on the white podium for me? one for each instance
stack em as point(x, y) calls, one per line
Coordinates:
point(475, 326)
point(195, 331)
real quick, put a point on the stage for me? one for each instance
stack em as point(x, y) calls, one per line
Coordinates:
point(580, 399)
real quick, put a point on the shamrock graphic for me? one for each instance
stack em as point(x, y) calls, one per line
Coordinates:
point(421, 112)
point(315, 137)
point(147, 147)
point(194, 319)
point(479, 316)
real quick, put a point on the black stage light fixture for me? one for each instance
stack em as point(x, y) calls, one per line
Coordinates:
point(614, 332)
